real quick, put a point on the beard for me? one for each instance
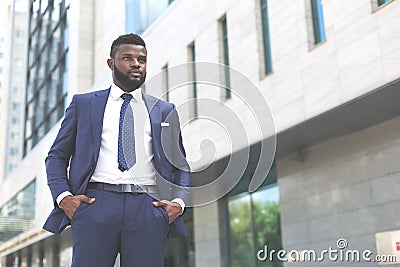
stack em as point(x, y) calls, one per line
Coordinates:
point(126, 82)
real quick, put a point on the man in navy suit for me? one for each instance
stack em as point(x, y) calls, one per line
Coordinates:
point(127, 182)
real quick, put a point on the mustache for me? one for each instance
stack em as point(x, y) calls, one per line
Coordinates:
point(135, 71)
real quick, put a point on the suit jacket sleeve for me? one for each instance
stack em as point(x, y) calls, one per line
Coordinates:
point(58, 158)
point(180, 168)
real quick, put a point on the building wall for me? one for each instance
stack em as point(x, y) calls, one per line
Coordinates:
point(109, 23)
point(207, 236)
point(342, 188)
point(358, 56)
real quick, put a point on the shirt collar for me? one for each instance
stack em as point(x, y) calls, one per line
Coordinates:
point(116, 93)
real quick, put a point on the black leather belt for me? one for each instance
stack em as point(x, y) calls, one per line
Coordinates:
point(124, 188)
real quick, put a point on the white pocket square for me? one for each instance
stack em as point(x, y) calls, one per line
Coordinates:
point(164, 124)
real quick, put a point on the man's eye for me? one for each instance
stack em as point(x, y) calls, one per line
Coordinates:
point(126, 58)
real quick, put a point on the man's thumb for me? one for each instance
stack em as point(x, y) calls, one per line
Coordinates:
point(87, 200)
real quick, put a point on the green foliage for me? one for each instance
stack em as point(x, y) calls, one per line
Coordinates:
point(251, 226)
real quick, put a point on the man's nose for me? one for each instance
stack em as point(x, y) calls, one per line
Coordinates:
point(135, 63)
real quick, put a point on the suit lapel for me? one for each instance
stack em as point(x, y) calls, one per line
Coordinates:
point(98, 103)
point(155, 121)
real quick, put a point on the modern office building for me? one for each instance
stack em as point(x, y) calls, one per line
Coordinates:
point(4, 32)
point(14, 126)
point(330, 73)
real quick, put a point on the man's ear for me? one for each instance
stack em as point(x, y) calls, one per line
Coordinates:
point(110, 63)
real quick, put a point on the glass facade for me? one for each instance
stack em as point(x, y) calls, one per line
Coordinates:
point(253, 223)
point(16, 87)
point(17, 214)
point(46, 75)
point(140, 14)
point(44, 253)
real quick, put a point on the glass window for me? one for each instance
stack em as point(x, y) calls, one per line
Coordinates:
point(318, 21)
point(253, 222)
point(241, 237)
point(19, 33)
point(17, 214)
point(166, 82)
point(36, 6)
point(15, 106)
point(15, 121)
point(11, 167)
point(13, 151)
point(225, 57)
point(193, 93)
point(381, 2)
point(140, 14)
point(14, 136)
point(266, 37)
point(47, 74)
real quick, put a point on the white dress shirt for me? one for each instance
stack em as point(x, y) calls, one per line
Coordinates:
point(106, 171)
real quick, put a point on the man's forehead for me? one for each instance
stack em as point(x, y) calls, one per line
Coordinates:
point(131, 49)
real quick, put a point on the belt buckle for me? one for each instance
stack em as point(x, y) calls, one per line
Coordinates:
point(126, 188)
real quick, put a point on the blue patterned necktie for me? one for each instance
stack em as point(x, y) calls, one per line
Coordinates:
point(126, 135)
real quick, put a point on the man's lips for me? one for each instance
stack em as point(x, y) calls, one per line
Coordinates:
point(136, 73)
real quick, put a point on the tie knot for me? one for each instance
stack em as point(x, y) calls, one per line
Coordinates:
point(126, 97)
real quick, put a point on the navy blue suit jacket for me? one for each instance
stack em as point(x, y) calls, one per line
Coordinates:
point(77, 145)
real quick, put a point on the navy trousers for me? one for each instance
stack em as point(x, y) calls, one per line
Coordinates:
point(122, 223)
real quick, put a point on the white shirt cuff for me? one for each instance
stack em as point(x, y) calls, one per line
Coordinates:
point(61, 197)
point(180, 202)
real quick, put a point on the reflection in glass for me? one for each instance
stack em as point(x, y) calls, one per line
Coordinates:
point(254, 222)
point(240, 234)
point(266, 221)
point(47, 48)
point(318, 21)
point(17, 214)
point(56, 12)
point(140, 14)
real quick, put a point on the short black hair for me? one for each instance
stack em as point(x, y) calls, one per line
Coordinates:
point(129, 38)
